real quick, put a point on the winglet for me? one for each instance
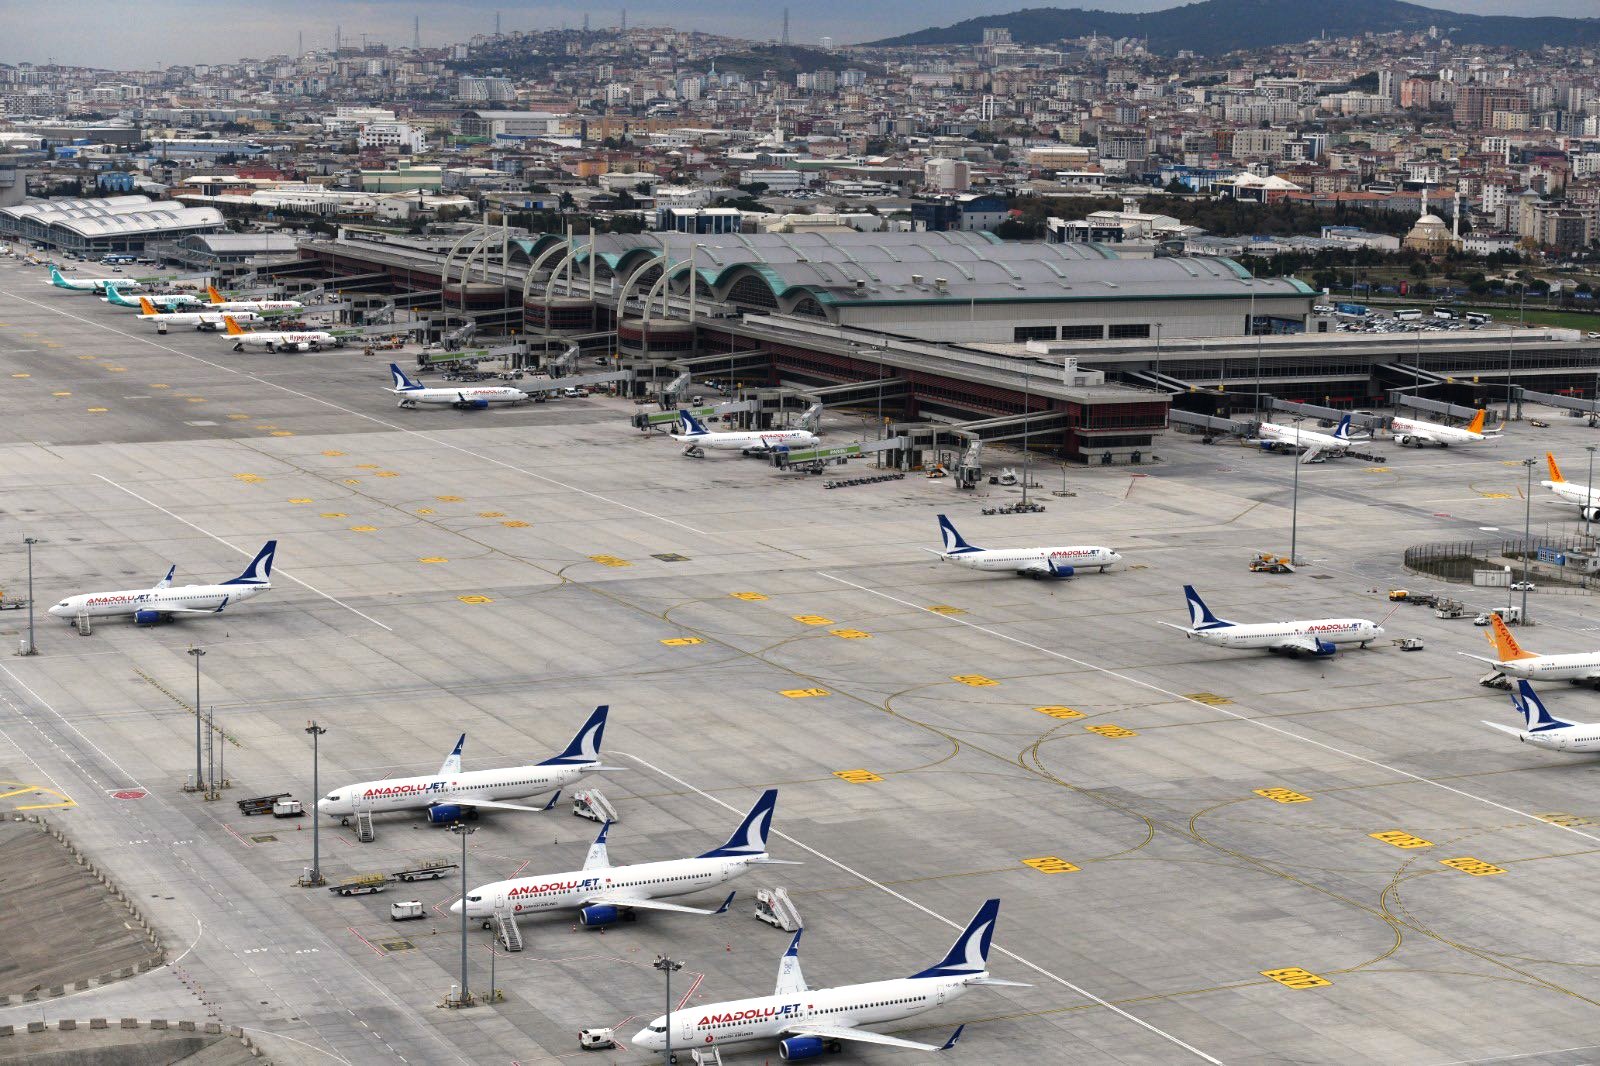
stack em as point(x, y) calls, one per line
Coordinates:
point(948, 1044)
point(726, 903)
point(1555, 471)
point(553, 800)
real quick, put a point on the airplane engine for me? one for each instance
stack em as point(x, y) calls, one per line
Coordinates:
point(598, 914)
point(146, 618)
point(1325, 649)
point(1592, 513)
point(1061, 570)
point(445, 813)
point(1402, 440)
point(471, 405)
point(802, 1047)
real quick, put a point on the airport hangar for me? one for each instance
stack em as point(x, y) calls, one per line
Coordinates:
point(93, 228)
point(1078, 347)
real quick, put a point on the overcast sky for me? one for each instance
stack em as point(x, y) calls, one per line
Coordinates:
point(157, 33)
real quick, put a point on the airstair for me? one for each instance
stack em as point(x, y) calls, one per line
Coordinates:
point(366, 832)
point(774, 907)
point(506, 930)
point(83, 624)
point(591, 803)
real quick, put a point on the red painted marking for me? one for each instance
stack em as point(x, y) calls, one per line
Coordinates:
point(376, 950)
point(620, 1043)
point(1138, 475)
point(521, 868)
point(129, 794)
point(684, 1001)
point(1441, 514)
point(236, 836)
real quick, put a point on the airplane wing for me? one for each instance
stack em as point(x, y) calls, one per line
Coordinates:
point(1044, 568)
point(617, 899)
point(864, 1036)
point(1502, 728)
point(1480, 658)
point(1306, 643)
point(466, 801)
point(194, 610)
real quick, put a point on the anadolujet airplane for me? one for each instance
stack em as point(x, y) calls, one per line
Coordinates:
point(448, 794)
point(1060, 562)
point(469, 398)
point(1587, 499)
point(1513, 660)
point(164, 601)
point(1545, 730)
point(1311, 443)
point(750, 442)
point(808, 1023)
point(604, 894)
point(1316, 636)
point(1419, 432)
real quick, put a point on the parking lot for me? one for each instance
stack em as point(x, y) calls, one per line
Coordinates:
point(1201, 855)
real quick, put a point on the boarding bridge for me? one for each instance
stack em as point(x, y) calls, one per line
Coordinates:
point(655, 419)
point(674, 388)
point(574, 382)
point(1420, 378)
point(1211, 424)
point(592, 804)
point(1553, 399)
point(506, 930)
point(853, 393)
point(1330, 414)
point(774, 907)
point(1436, 407)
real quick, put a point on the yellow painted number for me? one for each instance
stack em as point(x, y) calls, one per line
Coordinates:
point(1050, 864)
point(857, 777)
point(748, 596)
point(681, 642)
point(1111, 730)
point(1282, 795)
point(802, 693)
point(1295, 977)
point(812, 619)
point(975, 680)
point(1401, 840)
point(1475, 867)
point(1060, 712)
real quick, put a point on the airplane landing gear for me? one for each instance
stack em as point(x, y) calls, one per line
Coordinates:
point(238, 347)
point(694, 451)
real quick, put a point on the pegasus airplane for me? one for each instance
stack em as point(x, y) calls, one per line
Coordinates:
point(198, 319)
point(603, 893)
point(1418, 432)
point(475, 398)
point(166, 301)
point(1513, 661)
point(1587, 499)
point(1318, 636)
point(274, 340)
point(268, 307)
point(164, 600)
point(1313, 444)
point(447, 795)
point(1545, 730)
point(808, 1023)
point(749, 442)
point(1026, 562)
point(88, 284)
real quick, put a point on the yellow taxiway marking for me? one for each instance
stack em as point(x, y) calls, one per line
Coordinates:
point(363, 529)
point(802, 693)
point(386, 473)
point(238, 418)
point(88, 357)
point(812, 619)
point(249, 478)
point(1563, 819)
point(332, 454)
point(334, 514)
point(1295, 977)
point(1495, 495)
point(441, 499)
point(22, 375)
point(975, 680)
point(433, 559)
point(850, 634)
point(265, 426)
point(748, 596)
point(352, 481)
point(681, 642)
point(17, 792)
point(61, 394)
point(194, 399)
point(20, 788)
point(1476, 867)
point(1209, 698)
point(474, 599)
point(610, 560)
point(282, 433)
point(514, 523)
point(491, 514)
point(97, 410)
point(117, 369)
point(367, 466)
point(159, 385)
point(1060, 712)
point(857, 777)
point(946, 609)
point(1400, 839)
point(1282, 795)
point(1110, 730)
point(299, 499)
point(425, 510)
point(1050, 864)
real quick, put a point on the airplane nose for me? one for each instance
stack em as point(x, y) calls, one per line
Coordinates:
point(455, 908)
point(644, 1038)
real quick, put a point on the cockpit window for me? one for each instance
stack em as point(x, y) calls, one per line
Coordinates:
point(333, 796)
point(658, 1028)
point(474, 899)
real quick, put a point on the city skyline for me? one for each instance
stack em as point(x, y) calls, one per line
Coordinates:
point(78, 34)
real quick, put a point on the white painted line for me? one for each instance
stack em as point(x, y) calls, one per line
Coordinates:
point(359, 414)
point(133, 782)
point(242, 551)
point(1179, 697)
point(1040, 970)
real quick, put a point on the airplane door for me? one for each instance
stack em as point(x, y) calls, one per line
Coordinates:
point(686, 1029)
point(938, 997)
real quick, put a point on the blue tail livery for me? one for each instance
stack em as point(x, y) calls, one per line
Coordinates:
point(954, 542)
point(259, 572)
point(751, 836)
point(585, 746)
point(1200, 616)
point(1533, 711)
point(969, 955)
point(692, 426)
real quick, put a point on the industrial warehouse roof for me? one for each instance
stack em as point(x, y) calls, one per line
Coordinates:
point(45, 210)
point(156, 220)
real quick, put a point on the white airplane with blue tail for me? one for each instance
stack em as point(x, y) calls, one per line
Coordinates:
point(1308, 441)
point(1056, 563)
point(1317, 636)
point(808, 1023)
point(468, 398)
point(164, 601)
point(698, 438)
point(1545, 730)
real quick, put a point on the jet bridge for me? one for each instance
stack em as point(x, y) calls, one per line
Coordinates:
point(658, 419)
point(1330, 414)
point(1435, 407)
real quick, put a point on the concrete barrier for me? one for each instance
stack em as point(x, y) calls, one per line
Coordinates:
point(158, 1023)
point(130, 1023)
point(6, 1030)
point(36, 1027)
point(66, 1024)
point(98, 1023)
point(213, 1027)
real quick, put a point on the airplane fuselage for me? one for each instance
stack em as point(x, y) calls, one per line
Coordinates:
point(1572, 492)
point(199, 319)
point(1415, 430)
point(259, 306)
point(1575, 666)
point(648, 880)
point(767, 439)
point(1269, 634)
point(1294, 437)
point(1576, 739)
point(182, 598)
point(740, 1021)
point(420, 793)
point(1078, 557)
point(274, 340)
point(463, 396)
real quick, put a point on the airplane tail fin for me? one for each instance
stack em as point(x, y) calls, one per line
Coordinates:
point(402, 383)
point(599, 858)
point(452, 762)
point(692, 425)
point(144, 304)
point(166, 582)
point(954, 543)
point(1342, 430)
point(57, 279)
point(1532, 709)
point(213, 294)
point(233, 327)
point(1555, 471)
point(751, 836)
point(1476, 425)
point(1200, 616)
point(969, 955)
point(259, 572)
point(585, 746)
point(1505, 645)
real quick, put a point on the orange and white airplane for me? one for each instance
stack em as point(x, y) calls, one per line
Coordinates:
point(1587, 499)
point(265, 307)
point(1513, 660)
point(197, 319)
point(310, 340)
point(1419, 432)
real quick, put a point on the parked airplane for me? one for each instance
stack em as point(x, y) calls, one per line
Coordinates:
point(267, 307)
point(1510, 658)
point(1418, 432)
point(1313, 444)
point(273, 340)
point(474, 397)
point(1587, 498)
point(750, 442)
point(1317, 636)
point(200, 320)
point(166, 301)
point(602, 892)
point(1544, 729)
point(808, 1023)
point(447, 794)
point(1026, 562)
point(163, 601)
point(89, 284)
